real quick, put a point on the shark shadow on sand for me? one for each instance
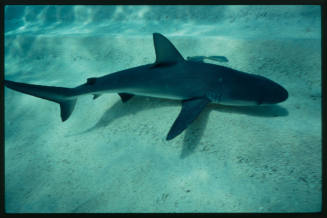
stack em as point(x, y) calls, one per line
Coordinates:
point(196, 129)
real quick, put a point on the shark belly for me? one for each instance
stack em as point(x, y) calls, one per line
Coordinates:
point(158, 94)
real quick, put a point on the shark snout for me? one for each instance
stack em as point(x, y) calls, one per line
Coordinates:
point(278, 94)
point(271, 92)
point(283, 94)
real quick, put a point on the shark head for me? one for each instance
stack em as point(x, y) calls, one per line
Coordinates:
point(249, 89)
point(271, 92)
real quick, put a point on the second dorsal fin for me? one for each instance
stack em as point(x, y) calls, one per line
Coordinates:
point(91, 81)
point(166, 52)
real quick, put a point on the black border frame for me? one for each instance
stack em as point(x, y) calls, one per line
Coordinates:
point(323, 6)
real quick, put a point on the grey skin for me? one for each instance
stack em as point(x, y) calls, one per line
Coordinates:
point(196, 84)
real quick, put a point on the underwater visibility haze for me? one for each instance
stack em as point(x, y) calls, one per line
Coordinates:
point(246, 153)
point(170, 76)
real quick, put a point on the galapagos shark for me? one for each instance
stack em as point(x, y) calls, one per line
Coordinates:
point(195, 84)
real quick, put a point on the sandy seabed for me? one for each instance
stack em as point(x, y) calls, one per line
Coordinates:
point(112, 156)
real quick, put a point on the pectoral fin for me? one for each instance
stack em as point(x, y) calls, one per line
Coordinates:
point(190, 110)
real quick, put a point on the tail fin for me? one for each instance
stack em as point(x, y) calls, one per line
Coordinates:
point(63, 96)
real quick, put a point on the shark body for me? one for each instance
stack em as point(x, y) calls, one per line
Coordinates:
point(196, 84)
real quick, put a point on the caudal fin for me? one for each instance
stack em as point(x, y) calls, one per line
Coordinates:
point(63, 96)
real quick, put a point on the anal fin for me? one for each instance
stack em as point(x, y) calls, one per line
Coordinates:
point(190, 110)
point(95, 96)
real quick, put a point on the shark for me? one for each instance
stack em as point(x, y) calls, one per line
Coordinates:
point(194, 83)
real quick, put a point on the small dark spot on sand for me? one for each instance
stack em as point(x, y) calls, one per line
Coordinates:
point(164, 196)
point(303, 179)
point(188, 190)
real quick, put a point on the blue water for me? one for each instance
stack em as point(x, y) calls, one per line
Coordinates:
point(113, 157)
point(232, 21)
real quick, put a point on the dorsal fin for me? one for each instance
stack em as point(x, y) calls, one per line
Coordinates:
point(165, 51)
